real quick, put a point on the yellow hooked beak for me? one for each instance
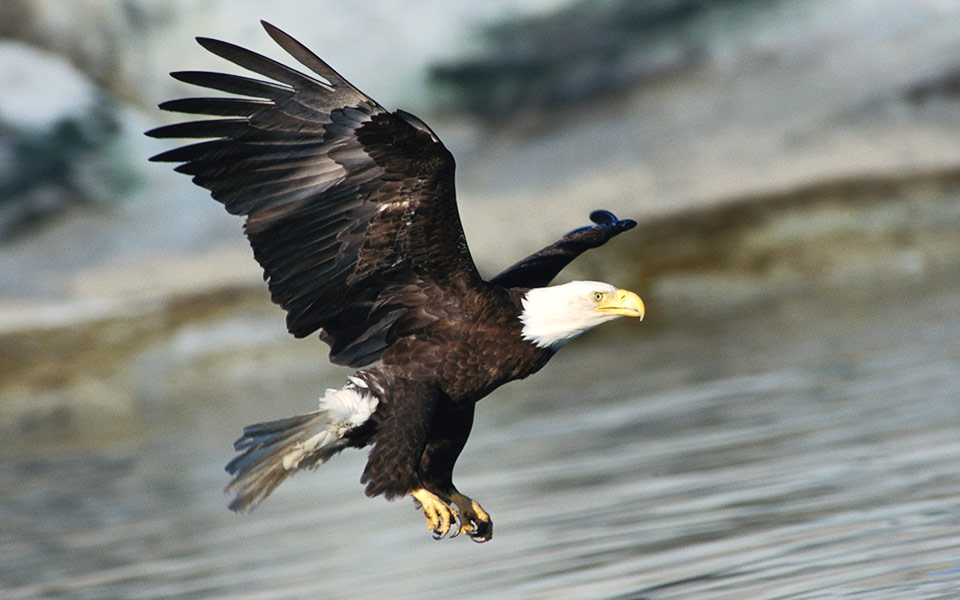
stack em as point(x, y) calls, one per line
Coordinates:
point(622, 302)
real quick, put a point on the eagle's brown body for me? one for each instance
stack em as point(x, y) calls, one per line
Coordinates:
point(351, 212)
point(449, 368)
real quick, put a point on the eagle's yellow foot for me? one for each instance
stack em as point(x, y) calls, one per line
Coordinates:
point(475, 521)
point(440, 515)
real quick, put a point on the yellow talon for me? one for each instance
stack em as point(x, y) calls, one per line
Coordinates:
point(438, 513)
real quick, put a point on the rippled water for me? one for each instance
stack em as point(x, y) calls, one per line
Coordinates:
point(803, 450)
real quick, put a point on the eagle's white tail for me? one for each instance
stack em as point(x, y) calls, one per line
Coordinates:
point(273, 451)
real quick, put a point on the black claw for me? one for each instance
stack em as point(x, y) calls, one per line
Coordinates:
point(483, 532)
point(459, 526)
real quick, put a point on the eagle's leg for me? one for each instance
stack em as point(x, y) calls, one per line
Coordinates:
point(439, 513)
point(448, 434)
point(474, 521)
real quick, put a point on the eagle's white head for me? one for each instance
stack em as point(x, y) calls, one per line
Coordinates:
point(552, 316)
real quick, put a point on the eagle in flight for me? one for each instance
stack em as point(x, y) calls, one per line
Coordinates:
point(351, 212)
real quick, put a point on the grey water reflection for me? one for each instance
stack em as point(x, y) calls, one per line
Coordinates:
point(806, 449)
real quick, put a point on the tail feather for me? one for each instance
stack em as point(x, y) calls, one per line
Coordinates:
point(262, 465)
point(272, 451)
point(261, 432)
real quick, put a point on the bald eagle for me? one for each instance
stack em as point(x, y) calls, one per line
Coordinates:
point(351, 212)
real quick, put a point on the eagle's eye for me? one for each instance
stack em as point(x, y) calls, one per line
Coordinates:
point(597, 296)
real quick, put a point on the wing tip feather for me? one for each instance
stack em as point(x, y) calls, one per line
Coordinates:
point(306, 57)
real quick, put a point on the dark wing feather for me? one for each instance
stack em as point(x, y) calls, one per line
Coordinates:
point(350, 209)
point(539, 269)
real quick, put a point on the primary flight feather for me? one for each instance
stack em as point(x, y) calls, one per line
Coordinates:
point(351, 212)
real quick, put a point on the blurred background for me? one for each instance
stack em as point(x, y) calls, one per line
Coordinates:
point(785, 423)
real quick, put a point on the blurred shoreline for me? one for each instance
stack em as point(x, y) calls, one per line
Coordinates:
point(892, 210)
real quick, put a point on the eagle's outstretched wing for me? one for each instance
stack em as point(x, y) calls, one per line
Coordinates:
point(350, 209)
point(539, 269)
